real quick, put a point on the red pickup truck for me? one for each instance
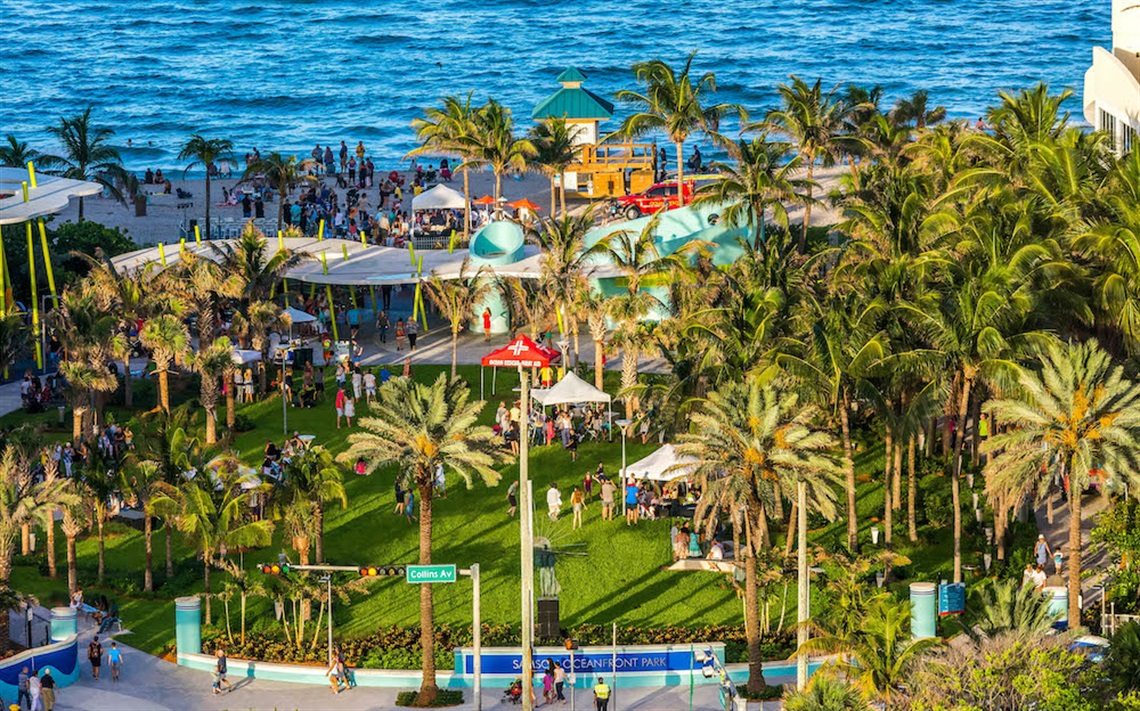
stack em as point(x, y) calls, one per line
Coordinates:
point(662, 196)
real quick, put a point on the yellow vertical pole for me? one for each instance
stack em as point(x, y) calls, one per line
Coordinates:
point(162, 253)
point(182, 247)
point(329, 296)
point(281, 248)
point(47, 257)
point(35, 299)
point(412, 253)
point(32, 173)
point(321, 231)
point(197, 235)
point(451, 243)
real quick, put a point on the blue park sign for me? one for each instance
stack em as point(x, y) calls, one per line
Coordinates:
point(588, 660)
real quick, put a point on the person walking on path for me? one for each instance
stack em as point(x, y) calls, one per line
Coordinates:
point(608, 491)
point(22, 689)
point(349, 410)
point(630, 502)
point(559, 682)
point(47, 690)
point(1041, 550)
point(220, 668)
point(333, 674)
point(115, 657)
point(35, 692)
point(410, 506)
point(548, 685)
point(554, 501)
point(382, 326)
point(95, 657)
point(338, 402)
point(401, 332)
point(486, 325)
point(1058, 558)
point(577, 505)
point(412, 327)
point(602, 695)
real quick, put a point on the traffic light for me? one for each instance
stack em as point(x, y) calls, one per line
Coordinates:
point(376, 571)
point(274, 568)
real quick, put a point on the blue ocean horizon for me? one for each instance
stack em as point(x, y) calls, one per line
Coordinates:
point(287, 74)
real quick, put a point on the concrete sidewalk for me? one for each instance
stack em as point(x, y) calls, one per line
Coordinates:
point(150, 684)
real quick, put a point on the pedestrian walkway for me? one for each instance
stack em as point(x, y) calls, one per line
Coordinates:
point(1057, 534)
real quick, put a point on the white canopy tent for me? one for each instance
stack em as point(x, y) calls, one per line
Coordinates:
point(663, 465)
point(440, 197)
point(572, 390)
point(299, 316)
point(244, 357)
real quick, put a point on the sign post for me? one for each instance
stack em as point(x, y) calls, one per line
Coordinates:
point(476, 634)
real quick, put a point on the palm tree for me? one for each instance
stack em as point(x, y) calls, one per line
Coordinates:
point(164, 440)
point(23, 501)
point(492, 143)
point(566, 265)
point(213, 363)
point(879, 653)
point(674, 103)
point(593, 307)
point(254, 269)
point(555, 150)
point(74, 523)
point(747, 440)
point(88, 154)
point(826, 692)
point(1006, 607)
point(204, 288)
point(16, 154)
point(85, 331)
point(418, 427)
point(168, 339)
point(214, 516)
point(205, 152)
point(812, 120)
point(914, 109)
point(15, 338)
point(456, 299)
point(759, 177)
point(245, 586)
point(259, 320)
point(1080, 410)
point(95, 483)
point(283, 174)
point(144, 481)
point(314, 477)
point(445, 132)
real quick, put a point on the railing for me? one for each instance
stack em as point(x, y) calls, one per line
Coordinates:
point(1110, 622)
point(617, 156)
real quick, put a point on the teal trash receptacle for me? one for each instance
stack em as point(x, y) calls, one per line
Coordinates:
point(923, 610)
point(1058, 604)
point(64, 623)
point(188, 624)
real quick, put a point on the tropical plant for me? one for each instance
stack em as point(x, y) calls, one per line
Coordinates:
point(283, 173)
point(567, 264)
point(85, 331)
point(205, 152)
point(213, 363)
point(826, 692)
point(214, 513)
point(1122, 665)
point(555, 150)
point(746, 441)
point(447, 131)
point(95, 483)
point(491, 143)
point(23, 501)
point(915, 109)
point(254, 269)
point(813, 120)
point(16, 154)
point(1078, 409)
point(143, 480)
point(1006, 607)
point(314, 476)
point(88, 155)
point(259, 320)
point(456, 299)
point(419, 427)
point(168, 341)
point(675, 103)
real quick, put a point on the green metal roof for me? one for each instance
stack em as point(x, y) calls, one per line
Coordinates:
point(570, 75)
point(573, 103)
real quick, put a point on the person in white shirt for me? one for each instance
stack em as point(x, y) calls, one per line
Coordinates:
point(1039, 578)
point(717, 551)
point(554, 501)
point(370, 386)
point(357, 384)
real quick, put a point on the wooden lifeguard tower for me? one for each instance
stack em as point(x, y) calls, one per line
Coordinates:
point(602, 169)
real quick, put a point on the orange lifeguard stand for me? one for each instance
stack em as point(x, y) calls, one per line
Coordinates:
point(602, 169)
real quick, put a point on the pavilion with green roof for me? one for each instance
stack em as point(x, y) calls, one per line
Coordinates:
point(579, 106)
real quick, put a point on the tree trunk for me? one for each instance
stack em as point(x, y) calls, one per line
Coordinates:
point(888, 464)
point(752, 625)
point(498, 193)
point(466, 208)
point(553, 197)
point(99, 528)
point(1001, 522)
point(148, 537)
point(1074, 550)
point(777, 501)
point(212, 424)
point(956, 474)
point(803, 582)
point(807, 205)
point(50, 527)
point(888, 511)
point(454, 351)
point(169, 556)
point(80, 209)
point(428, 688)
point(911, 492)
point(243, 598)
point(164, 390)
point(975, 437)
point(231, 397)
point(206, 593)
point(628, 378)
point(319, 534)
point(849, 474)
point(128, 388)
point(72, 571)
point(599, 363)
point(680, 174)
point(896, 492)
point(281, 210)
point(76, 423)
point(562, 196)
point(791, 538)
point(25, 538)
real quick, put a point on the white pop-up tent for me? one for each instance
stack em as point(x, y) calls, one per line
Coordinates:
point(243, 357)
point(440, 197)
point(572, 390)
point(663, 465)
point(295, 317)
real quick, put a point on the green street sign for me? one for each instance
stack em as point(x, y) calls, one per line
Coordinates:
point(431, 574)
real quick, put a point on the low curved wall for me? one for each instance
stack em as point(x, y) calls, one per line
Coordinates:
point(61, 657)
point(497, 243)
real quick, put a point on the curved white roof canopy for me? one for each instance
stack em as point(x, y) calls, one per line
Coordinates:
point(51, 194)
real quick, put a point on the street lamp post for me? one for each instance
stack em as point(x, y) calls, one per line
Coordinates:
point(526, 523)
point(44, 331)
point(327, 579)
point(623, 423)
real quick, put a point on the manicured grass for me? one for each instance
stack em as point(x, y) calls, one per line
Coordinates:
point(622, 577)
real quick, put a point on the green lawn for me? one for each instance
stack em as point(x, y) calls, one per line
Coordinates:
point(622, 578)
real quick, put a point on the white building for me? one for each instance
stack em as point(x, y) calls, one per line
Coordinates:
point(1112, 84)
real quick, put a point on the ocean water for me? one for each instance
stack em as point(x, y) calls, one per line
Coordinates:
point(285, 74)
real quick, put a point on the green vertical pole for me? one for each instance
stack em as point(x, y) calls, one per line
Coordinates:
point(329, 296)
point(47, 257)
